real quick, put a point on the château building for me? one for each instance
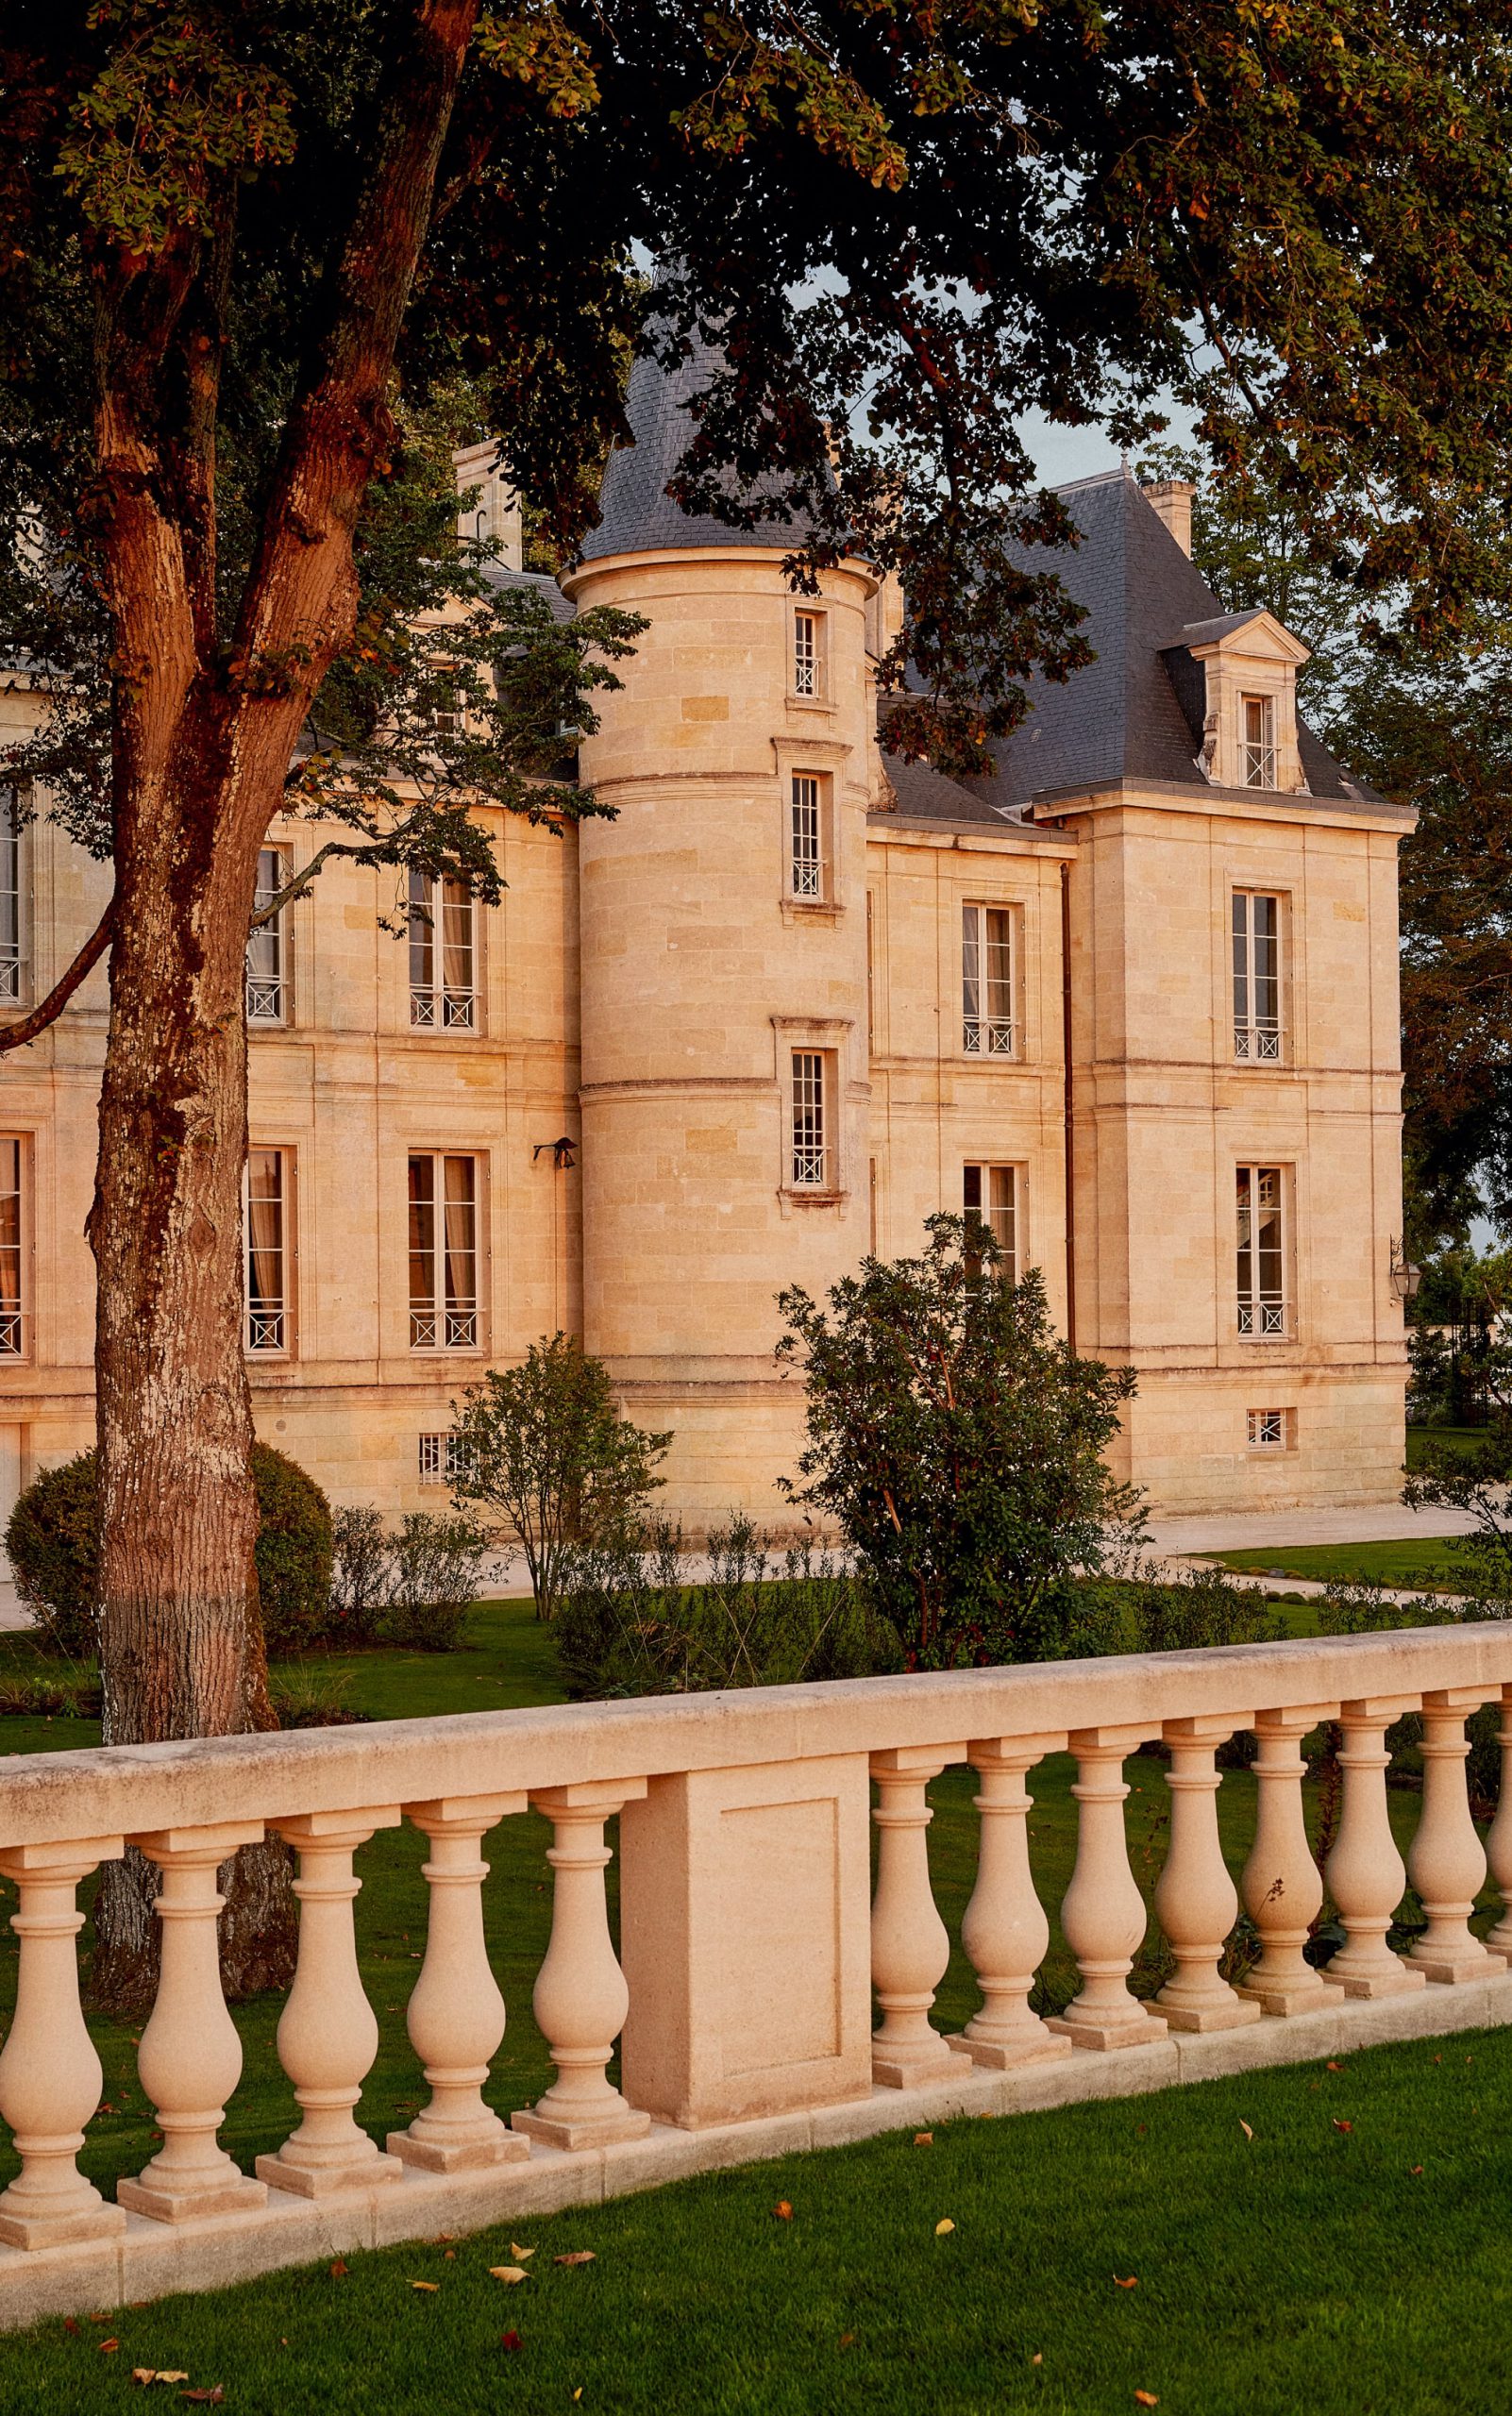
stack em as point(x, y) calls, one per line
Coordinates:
point(1134, 999)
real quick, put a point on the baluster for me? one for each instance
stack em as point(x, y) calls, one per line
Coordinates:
point(580, 1998)
point(1366, 1875)
point(189, 2058)
point(1103, 1913)
point(1282, 1885)
point(50, 2076)
point(1196, 1902)
point(1499, 1838)
point(1004, 1929)
point(456, 2014)
point(1446, 1861)
point(910, 1949)
point(328, 2032)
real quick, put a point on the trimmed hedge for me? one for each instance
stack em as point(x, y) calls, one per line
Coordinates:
point(54, 1541)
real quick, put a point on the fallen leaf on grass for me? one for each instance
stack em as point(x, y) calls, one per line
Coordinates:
point(210, 2398)
point(782, 2211)
point(338, 2270)
point(578, 2393)
point(944, 2225)
point(508, 2273)
point(509, 2339)
point(69, 2326)
point(1245, 2128)
point(577, 2257)
point(425, 2286)
point(923, 2138)
point(848, 2339)
point(106, 2346)
point(519, 2252)
point(1146, 2399)
point(1120, 2284)
point(1038, 2357)
point(1417, 2168)
point(144, 2374)
point(1338, 2125)
point(1335, 2068)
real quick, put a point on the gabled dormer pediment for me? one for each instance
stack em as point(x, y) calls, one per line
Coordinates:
point(1246, 664)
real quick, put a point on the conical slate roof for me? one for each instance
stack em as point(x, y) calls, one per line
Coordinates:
point(638, 514)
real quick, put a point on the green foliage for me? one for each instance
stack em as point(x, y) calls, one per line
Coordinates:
point(957, 1445)
point(436, 1564)
point(546, 1447)
point(1195, 1609)
point(772, 1611)
point(54, 1541)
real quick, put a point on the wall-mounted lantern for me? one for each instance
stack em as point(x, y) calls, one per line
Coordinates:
point(563, 1152)
point(1405, 1277)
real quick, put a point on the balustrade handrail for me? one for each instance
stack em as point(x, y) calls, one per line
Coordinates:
point(50, 1798)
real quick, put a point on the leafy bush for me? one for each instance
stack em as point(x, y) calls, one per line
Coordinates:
point(54, 1541)
point(361, 1575)
point(435, 1563)
point(772, 1611)
point(32, 1694)
point(1196, 1608)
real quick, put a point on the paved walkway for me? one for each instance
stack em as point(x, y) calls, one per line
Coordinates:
point(1252, 1529)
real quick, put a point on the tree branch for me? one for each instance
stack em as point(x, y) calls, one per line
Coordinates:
point(16, 1035)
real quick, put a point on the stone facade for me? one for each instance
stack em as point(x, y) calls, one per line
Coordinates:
point(777, 1008)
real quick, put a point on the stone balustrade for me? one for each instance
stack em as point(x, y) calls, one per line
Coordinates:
point(765, 1992)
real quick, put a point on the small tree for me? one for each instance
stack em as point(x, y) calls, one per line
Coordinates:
point(545, 1444)
point(957, 1444)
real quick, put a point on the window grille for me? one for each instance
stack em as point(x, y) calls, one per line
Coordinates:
point(266, 988)
point(443, 955)
point(990, 1197)
point(12, 1264)
point(265, 1231)
point(805, 654)
point(1262, 1293)
point(440, 1459)
point(1259, 750)
point(809, 1153)
point(987, 980)
point(1267, 1428)
point(1256, 977)
point(807, 868)
point(443, 1252)
point(13, 967)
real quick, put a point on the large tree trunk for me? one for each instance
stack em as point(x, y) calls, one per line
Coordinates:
point(181, 1643)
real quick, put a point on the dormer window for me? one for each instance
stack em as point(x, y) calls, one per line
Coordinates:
point(1259, 757)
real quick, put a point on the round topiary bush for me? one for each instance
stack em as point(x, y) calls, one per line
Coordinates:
point(54, 1542)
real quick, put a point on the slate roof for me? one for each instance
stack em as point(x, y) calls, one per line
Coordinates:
point(637, 514)
point(922, 794)
point(498, 575)
point(1136, 714)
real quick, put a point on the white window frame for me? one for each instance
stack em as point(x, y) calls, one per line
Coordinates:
point(15, 1247)
point(14, 917)
point(449, 1318)
point(998, 1203)
point(1269, 1430)
point(268, 1328)
point(439, 1458)
point(811, 1120)
point(989, 980)
point(806, 661)
point(1257, 995)
point(1262, 1293)
point(436, 906)
point(267, 980)
point(808, 863)
point(1257, 739)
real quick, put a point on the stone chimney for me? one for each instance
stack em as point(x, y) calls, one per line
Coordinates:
point(1173, 499)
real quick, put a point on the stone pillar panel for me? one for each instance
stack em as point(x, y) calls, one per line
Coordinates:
point(745, 1918)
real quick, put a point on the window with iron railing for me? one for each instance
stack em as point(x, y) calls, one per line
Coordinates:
point(267, 989)
point(1257, 949)
point(13, 1303)
point(265, 1226)
point(1260, 1207)
point(440, 1459)
point(1258, 749)
point(990, 1198)
point(12, 903)
point(1267, 1428)
point(443, 955)
point(987, 980)
point(807, 640)
point(806, 823)
point(810, 1149)
point(443, 1252)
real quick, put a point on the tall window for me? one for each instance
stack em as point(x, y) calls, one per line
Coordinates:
point(806, 863)
point(987, 980)
point(266, 1228)
point(267, 984)
point(1260, 1196)
point(990, 1196)
point(13, 1301)
point(443, 955)
point(1258, 758)
point(806, 632)
point(810, 1139)
point(443, 1252)
point(1256, 976)
point(13, 969)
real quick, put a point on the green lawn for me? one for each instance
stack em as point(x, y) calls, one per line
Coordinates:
point(1424, 1563)
point(1422, 1441)
point(1356, 2271)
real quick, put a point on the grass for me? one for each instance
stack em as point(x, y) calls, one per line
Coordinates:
point(1354, 2270)
point(1422, 1564)
point(1424, 1441)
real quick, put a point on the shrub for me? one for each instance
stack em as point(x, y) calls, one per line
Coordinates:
point(361, 1575)
point(54, 1541)
point(435, 1563)
point(772, 1611)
